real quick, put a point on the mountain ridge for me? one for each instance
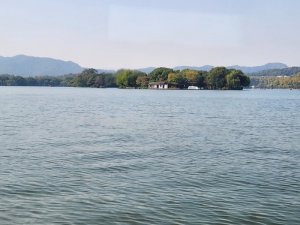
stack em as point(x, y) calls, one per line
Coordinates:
point(23, 65)
point(289, 71)
point(245, 69)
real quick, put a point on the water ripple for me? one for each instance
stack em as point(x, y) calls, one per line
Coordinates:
point(107, 156)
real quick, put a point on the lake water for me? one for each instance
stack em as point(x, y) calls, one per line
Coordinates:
point(110, 156)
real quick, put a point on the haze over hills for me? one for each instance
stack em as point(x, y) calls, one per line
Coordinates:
point(204, 68)
point(289, 71)
point(245, 69)
point(254, 69)
point(23, 65)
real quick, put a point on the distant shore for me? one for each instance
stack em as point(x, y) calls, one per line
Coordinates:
point(218, 78)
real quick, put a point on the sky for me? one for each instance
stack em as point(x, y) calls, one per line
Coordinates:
point(112, 34)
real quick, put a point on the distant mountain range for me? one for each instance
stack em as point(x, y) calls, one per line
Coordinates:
point(23, 65)
point(33, 66)
point(245, 69)
point(289, 71)
point(254, 69)
point(203, 68)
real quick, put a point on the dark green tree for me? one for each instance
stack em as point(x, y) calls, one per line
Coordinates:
point(160, 74)
point(216, 78)
point(127, 78)
point(201, 80)
point(85, 79)
point(236, 80)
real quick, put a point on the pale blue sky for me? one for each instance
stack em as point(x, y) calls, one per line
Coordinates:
point(139, 33)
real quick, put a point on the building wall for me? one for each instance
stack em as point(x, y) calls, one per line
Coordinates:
point(159, 86)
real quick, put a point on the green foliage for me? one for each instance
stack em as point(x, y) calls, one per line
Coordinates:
point(179, 79)
point(142, 81)
point(201, 80)
point(10, 80)
point(217, 78)
point(88, 78)
point(245, 80)
point(190, 76)
point(124, 78)
point(277, 82)
point(160, 74)
point(91, 78)
point(233, 82)
point(128, 78)
point(236, 80)
point(290, 71)
point(226, 79)
point(195, 78)
point(85, 79)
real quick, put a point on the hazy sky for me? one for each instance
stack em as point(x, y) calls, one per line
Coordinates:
point(140, 33)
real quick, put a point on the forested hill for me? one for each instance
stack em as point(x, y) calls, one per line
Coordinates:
point(291, 82)
point(290, 71)
point(26, 66)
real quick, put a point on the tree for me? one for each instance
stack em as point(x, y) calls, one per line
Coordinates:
point(110, 80)
point(233, 81)
point(245, 80)
point(3, 79)
point(160, 74)
point(178, 79)
point(142, 81)
point(190, 76)
point(128, 78)
point(86, 78)
point(30, 81)
point(236, 80)
point(216, 78)
point(99, 81)
point(277, 82)
point(201, 80)
point(172, 77)
point(19, 81)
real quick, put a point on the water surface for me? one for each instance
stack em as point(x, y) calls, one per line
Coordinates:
point(110, 156)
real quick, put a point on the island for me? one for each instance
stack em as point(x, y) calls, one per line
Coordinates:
point(218, 78)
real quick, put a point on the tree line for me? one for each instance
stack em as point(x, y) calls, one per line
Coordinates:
point(277, 82)
point(11, 80)
point(216, 78)
point(88, 78)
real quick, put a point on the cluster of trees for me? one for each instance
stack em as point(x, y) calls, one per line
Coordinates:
point(11, 80)
point(88, 78)
point(277, 82)
point(131, 78)
point(216, 78)
point(91, 78)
